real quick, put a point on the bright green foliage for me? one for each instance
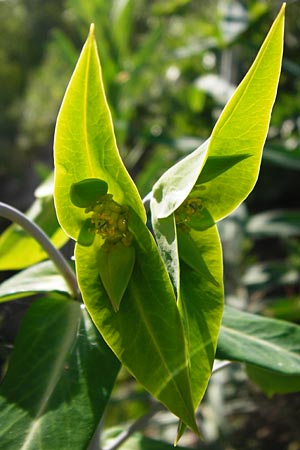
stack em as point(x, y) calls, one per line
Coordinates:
point(243, 125)
point(115, 263)
point(85, 145)
point(88, 191)
point(146, 332)
point(59, 379)
point(157, 304)
point(204, 187)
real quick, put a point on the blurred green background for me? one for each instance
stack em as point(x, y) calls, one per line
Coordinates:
point(169, 67)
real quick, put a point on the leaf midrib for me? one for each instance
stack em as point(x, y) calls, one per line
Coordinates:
point(261, 342)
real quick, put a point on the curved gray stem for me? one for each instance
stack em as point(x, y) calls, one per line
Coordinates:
point(14, 215)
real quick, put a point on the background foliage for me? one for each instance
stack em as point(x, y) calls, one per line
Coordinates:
point(169, 68)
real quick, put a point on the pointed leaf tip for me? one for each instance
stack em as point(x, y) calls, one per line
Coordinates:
point(92, 29)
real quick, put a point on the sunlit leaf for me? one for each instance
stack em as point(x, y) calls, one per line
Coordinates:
point(146, 332)
point(243, 125)
point(85, 145)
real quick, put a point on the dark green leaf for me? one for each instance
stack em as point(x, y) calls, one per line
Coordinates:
point(273, 382)
point(268, 343)
point(59, 379)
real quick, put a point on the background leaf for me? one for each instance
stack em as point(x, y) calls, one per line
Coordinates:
point(59, 379)
point(43, 277)
point(273, 382)
point(268, 343)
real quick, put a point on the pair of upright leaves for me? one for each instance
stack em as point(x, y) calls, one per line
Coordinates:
point(161, 314)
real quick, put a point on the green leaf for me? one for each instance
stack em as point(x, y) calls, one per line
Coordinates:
point(115, 266)
point(41, 278)
point(59, 379)
point(268, 343)
point(85, 146)
point(224, 169)
point(176, 183)
point(201, 306)
point(17, 248)
point(242, 127)
point(146, 333)
point(233, 152)
point(272, 382)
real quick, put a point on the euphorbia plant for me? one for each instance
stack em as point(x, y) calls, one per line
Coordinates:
point(156, 299)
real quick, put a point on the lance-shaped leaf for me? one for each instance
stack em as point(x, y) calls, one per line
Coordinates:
point(200, 303)
point(271, 344)
point(59, 379)
point(146, 332)
point(85, 145)
point(242, 128)
point(225, 167)
point(40, 278)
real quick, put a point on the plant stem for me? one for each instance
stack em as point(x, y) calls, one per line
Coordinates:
point(14, 215)
point(137, 425)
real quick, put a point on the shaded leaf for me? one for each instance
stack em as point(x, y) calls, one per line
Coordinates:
point(268, 343)
point(59, 379)
point(282, 223)
point(272, 382)
point(43, 277)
